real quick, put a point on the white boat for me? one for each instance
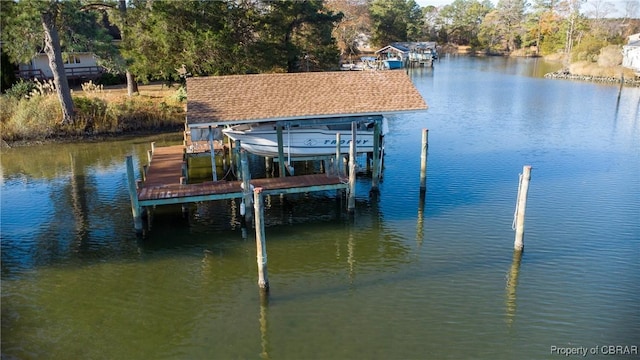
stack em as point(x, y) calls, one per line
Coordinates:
point(302, 141)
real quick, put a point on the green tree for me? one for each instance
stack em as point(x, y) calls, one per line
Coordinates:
point(31, 26)
point(511, 14)
point(395, 20)
point(461, 20)
point(430, 22)
point(297, 36)
point(169, 36)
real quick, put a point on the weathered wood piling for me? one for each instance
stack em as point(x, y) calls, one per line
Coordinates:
point(261, 245)
point(351, 202)
point(521, 205)
point(423, 160)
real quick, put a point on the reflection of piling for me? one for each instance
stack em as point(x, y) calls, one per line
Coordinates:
point(521, 205)
point(261, 246)
point(512, 283)
point(264, 324)
point(420, 225)
point(423, 161)
point(351, 203)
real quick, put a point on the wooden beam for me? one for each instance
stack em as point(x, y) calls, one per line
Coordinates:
point(281, 164)
point(136, 209)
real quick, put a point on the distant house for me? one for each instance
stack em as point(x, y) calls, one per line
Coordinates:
point(77, 66)
point(631, 53)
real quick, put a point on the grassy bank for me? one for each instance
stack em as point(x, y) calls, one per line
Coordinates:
point(99, 111)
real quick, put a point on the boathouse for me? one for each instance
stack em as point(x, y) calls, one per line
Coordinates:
point(285, 100)
point(298, 100)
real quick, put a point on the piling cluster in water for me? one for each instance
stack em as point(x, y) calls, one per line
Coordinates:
point(565, 74)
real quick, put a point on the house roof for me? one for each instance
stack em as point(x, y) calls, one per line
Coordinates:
point(394, 46)
point(237, 99)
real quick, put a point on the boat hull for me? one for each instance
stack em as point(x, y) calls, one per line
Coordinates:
point(308, 142)
point(392, 64)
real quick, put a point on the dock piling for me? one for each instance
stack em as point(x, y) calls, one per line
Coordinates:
point(338, 162)
point(521, 205)
point(214, 174)
point(133, 196)
point(261, 247)
point(423, 160)
point(246, 185)
point(281, 164)
point(375, 176)
point(351, 202)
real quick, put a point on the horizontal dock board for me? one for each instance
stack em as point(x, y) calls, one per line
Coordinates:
point(162, 184)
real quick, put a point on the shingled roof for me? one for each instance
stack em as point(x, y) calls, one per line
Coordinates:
point(269, 97)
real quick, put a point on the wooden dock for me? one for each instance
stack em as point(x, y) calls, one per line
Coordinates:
point(162, 184)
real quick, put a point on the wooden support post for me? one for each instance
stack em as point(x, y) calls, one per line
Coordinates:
point(351, 202)
point(185, 206)
point(133, 196)
point(246, 185)
point(149, 156)
point(423, 160)
point(153, 147)
point(338, 161)
point(236, 156)
point(214, 174)
point(281, 164)
point(261, 246)
point(145, 168)
point(375, 176)
point(268, 166)
point(185, 174)
point(521, 206)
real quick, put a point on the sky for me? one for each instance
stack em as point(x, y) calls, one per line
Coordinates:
point(619, 4)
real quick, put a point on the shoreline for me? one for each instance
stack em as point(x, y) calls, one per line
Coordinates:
point(565, 75)
point(62, 139)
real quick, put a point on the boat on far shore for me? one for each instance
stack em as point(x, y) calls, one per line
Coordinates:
point(392, 63)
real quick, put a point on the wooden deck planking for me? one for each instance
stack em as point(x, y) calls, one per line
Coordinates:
point(165, 167)
point(162, 183)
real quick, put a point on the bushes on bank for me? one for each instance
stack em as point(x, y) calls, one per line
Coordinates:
point(37, 117)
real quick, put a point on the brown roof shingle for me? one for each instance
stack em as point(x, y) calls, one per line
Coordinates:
point(263, 97)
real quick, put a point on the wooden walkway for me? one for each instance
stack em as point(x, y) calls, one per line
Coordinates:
point(162, 183)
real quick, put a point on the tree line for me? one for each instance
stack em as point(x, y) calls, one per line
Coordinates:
point(168, 40)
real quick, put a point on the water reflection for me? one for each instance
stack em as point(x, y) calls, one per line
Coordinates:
point(510, 288)
point(264, 325)
point(77, 282)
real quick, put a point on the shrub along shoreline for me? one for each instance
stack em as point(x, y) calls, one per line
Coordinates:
point(99, 114)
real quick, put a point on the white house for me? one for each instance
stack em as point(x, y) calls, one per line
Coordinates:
point(76, 65)
point(631, 53)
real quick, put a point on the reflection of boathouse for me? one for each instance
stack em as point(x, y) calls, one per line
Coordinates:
point(322, 106)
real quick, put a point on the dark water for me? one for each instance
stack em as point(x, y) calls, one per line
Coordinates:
point(398, 281)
